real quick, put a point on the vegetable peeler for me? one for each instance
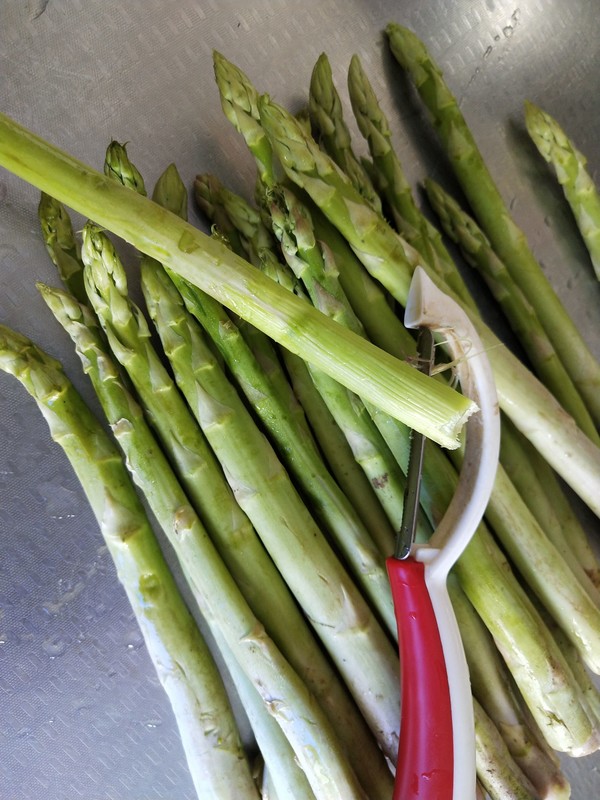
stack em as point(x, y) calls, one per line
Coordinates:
point(436, 755)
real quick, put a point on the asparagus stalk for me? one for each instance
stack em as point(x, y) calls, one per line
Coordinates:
point(478, 252)
point(494, 691)
point(391, 181)
point(438, 412)
point(327, 118)
point(312, 262)
point(285, 773)
point(182, 660)
point(531, 407)
point(61, 244)
point(536, 484)
point(577, 539)
point(357, 645)
point(570, 167)
point(202, 478)
point(496, 770)
point(493, 214)
point(338, 454)
point(216, 591)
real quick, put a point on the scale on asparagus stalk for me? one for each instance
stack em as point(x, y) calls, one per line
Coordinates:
point(436, 756)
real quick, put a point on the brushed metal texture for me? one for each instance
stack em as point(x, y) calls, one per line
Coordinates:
point(81, 712)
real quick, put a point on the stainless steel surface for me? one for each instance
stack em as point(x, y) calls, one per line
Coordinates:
point(81, 713)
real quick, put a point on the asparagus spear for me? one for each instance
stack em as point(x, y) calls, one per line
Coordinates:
point(338, 454)
point(536, 484)
point(327, 118)
point(182, 660)
point(295, 444)
point(117, 164)
point(437, 411)
point(217, 593)
point(531, 407)
point(570, 167)
point(205, 484)
point(285, 773)
point(495, 693)
point(61, 244)
point(391, 181)
point(493, 214)
point(355, 641)
point(508, 782)
point(478, 252)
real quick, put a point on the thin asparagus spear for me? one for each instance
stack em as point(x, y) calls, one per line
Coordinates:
point(182, 660)
point(117, 164)
point(361, 651)
point(215, 590)
point(285, 773)
point(338, 454)
point(496, 770)
point(61, 244)
point(239, 104)
point(391, 181)
point(531, 407)
point(492, 688)
point(493, 214)
point(437, 411)
point(205, 484)
point(570, 167)
point(544, 569)
point(578, 541)
point(327, 118)
point(313, 263)
point(478, 252)
point(536, 484)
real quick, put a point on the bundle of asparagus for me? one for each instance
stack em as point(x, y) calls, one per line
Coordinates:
point(274, 458)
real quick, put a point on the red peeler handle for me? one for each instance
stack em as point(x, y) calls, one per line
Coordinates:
point(425, 768)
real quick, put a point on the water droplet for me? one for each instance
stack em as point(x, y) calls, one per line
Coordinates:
point(54, 646)
point(24, 733)
point(153, 723)
point(488, 51)
point(187, 243)
point(508, 31)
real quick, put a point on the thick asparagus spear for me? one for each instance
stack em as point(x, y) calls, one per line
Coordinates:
point(182, 660)
point(327, 118)
point(570, 167)
point(493, 214)
point(478, 252)
point(217, 593)
point(436, 410)
point(531, 407)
